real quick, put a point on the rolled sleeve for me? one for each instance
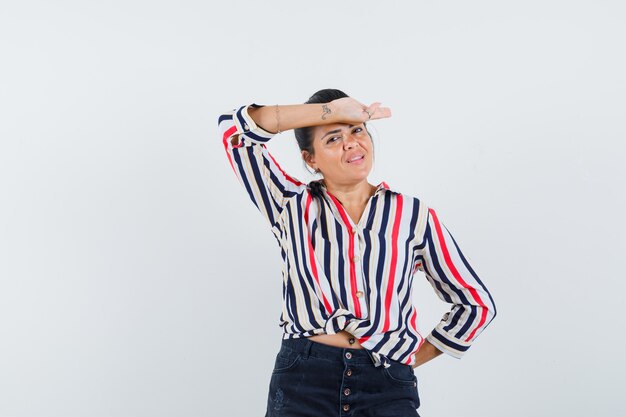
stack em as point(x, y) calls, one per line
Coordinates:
point(246, 126)
point(456, 282)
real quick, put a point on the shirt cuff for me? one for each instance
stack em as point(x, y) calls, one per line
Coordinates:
point(447, 343)
point(246, 125)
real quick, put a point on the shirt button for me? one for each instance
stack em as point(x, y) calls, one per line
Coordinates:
point(349, 372)
point(346, 391)
point(346, 407)
point(359, 294)
point(246, 127)
point(348, 355)
point(355, 259)
point(353, 230)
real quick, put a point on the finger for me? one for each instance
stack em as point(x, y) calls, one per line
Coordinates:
point(372, 107)
point(370, 110)
point(382, 113)
point(379, 112)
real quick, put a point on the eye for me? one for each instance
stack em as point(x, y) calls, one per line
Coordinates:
point(357, 130)
point(333, 139)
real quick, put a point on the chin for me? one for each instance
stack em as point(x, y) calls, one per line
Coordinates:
point(360, 178)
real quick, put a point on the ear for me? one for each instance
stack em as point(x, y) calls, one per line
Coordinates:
point(309, 160)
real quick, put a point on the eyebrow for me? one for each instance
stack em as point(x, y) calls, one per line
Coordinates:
point(335, 131)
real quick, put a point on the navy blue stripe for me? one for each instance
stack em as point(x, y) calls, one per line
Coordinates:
point(396, 348)
point(286, 193)
point(411, 348)
point(447, 342)
point(371, 213)
point(296, 268)
point(471, 319)
point(367, 253)
point(438, 267)
point(341, 262)
point(469, 268)
point(437, 284)
point(325, 241)
point(290, 299)
point(382, 341)
point(337, 248)
point(244, 177)
point(322, 275)
point(408, 262)
point(224, 117)
point(256, 137)
point(256, 171)
point(313, 234)
point(380, 265)
point(307, 272)
point(240, 118)
point(455, 319)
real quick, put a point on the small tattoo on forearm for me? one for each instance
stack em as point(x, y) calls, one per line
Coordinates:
point(326, 111)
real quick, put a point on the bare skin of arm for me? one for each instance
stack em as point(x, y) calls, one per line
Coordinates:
point(427, 352)
point(343, 110)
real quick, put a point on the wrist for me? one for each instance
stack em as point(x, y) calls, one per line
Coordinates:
point(329, 112)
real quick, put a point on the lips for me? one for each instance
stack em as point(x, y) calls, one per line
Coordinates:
point(355, 158)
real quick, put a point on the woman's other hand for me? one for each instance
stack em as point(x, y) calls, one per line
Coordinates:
point(427, 352)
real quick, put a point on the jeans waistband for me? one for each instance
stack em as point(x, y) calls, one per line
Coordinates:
point(332, 353)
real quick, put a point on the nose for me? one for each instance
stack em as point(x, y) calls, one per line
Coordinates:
point(350, 142)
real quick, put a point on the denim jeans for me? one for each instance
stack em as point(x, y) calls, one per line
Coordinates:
point(311, 379)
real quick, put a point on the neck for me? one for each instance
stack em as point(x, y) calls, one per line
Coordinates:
point(350, 194)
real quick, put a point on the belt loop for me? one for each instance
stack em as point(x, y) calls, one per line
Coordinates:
point(307, 348)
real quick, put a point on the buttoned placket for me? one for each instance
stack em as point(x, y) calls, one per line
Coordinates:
point(355, 233)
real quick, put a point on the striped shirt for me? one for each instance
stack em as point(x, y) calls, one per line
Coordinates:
point(341, 275)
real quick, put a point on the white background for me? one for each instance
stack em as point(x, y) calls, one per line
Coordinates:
point(136, 279)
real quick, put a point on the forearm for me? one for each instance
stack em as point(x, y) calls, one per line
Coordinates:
point(427, 352)
point(292, 116)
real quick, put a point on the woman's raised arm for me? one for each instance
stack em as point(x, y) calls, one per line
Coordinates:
point(344, 110)
point(246, 130)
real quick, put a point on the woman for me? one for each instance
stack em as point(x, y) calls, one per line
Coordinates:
point(350, 250)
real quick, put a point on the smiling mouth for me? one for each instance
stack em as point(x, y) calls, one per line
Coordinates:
point(356, 159)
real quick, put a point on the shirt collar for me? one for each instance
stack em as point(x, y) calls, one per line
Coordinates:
point(381, 186)
point(384, 186)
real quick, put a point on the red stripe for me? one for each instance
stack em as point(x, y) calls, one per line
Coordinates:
point(312, 255)
point(227, 135)
point(394, 260)
point(287, 177)
point(455, 272)
point(348, 224)
point(413, 322)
